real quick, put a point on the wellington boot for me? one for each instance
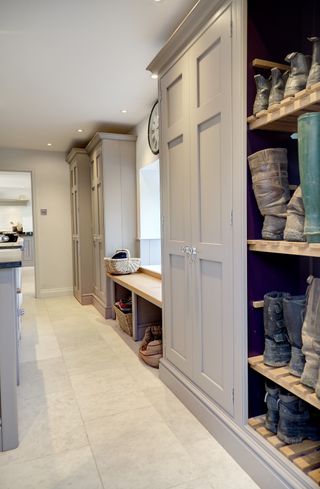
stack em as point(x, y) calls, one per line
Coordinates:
point(298, 75)
point(314, 74)
point(309, 168)
point(262, 96)
point(270, 185)
point(278, 82)
point(272, 401)
point(294, 308)
point(311, 334)
point(295, 218)
point(297, 420)
point(277, 349)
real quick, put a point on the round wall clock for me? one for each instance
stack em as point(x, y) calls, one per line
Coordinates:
point(153, 129)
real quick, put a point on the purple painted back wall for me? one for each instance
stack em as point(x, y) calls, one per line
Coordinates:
point(274, 29)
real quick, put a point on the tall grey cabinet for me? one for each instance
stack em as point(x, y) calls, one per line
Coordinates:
point(81, 224)
point(196, 167)
point(113, 200)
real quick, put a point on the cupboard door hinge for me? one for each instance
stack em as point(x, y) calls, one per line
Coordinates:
point(233, 396)
point(160, 95)
point(231, 217)
point(231, 27)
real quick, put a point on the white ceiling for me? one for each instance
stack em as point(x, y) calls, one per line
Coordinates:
point(69, 64)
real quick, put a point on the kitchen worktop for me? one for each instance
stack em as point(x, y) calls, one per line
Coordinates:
point(10, 257)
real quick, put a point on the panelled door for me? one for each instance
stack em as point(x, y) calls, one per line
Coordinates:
point(196, 172)
point(175, 179)
point(99, 280)
point(211, 215)
point(75, 228)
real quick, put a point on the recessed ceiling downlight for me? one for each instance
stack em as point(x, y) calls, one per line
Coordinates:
point(79, 130)
point(49, 144)
point(154, 76)
point(123, 111)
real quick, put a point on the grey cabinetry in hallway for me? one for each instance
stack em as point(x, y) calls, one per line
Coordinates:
point(113, 200)
point(81, 224)
point(196, 165)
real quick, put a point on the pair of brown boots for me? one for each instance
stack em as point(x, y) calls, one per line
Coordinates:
point(150, 350)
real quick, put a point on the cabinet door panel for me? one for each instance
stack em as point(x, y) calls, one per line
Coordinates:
point(98, 225)
point(175, 178)
point(211, 194)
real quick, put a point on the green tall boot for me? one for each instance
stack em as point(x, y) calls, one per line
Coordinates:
point(309, 167)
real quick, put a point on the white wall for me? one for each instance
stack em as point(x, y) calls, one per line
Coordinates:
point(50, 179)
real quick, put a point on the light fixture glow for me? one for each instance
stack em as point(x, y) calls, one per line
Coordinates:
point(154, 76)
point(79, 130)
point(123, 111)
point(49, 144)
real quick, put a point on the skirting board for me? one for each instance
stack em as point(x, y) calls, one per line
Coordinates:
point(261, 463)
point(105, 311)
point(44, 293)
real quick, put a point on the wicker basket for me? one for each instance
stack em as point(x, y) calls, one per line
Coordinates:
point(124, 320)
point(122, 266)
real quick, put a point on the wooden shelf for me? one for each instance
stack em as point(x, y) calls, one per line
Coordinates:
point(267, 65)
point(305, 455)
point(285, 247)
point(282, 377)
point(283, 116)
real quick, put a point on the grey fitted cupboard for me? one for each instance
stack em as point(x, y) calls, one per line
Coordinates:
point(81, 224)
point(113, 201)
point(197, 166)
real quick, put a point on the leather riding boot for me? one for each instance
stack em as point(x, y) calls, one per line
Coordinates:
point(278, 82)
point(270, 185)
point(311, 334)
point(297, 419)
point(294, 308)
point(277, 350)
point(314, 74)
point(272, 401)
point(262, 96)
point(295, 218)
point(298, 75)
point(309, 168)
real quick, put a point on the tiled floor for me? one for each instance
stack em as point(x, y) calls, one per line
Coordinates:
point(92, 416)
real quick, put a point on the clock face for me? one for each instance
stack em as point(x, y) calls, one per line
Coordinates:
point(153, 129)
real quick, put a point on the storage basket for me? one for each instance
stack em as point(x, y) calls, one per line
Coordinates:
point(124, 320)
point(122, 266)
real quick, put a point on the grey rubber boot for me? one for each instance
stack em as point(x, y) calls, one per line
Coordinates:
point(294, 308)
point(277, 349)
point(297, 420)
point(278, 82)
point(311, 334)
point(298, 75)
point(262, 96)
point(270, 185)
point(295, 218)
point(314, 74)
point(272, 401)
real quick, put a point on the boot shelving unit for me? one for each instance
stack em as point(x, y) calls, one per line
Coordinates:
point(283, 116)
point(278, 265)
point(304, 455)
point(285, 247)
point(282, 377)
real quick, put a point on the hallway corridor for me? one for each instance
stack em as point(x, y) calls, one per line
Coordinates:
point(92, 416)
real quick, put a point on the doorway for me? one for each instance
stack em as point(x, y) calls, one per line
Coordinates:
point(16, 215)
